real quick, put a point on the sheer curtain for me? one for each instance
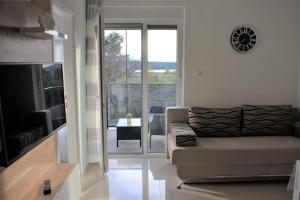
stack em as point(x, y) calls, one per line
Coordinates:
point(93, 82)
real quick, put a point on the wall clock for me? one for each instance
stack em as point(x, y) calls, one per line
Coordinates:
point(243, 39)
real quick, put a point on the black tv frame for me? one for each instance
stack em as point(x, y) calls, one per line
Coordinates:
point(4, 160)
point(3, 152)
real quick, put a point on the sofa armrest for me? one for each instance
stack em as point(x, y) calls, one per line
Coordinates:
point(176, 115)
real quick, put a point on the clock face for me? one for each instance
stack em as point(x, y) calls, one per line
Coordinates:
point(243, 39)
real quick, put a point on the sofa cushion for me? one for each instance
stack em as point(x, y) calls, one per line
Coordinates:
point(297, 129)
point(215, 121)
point(183, 134)
point(264, 150)
point(267, 120)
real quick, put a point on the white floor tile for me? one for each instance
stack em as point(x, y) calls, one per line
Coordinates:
point(156, 179)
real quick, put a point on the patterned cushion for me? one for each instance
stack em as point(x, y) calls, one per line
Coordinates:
point(267, 120)
point(183, 134)
point(215, 121)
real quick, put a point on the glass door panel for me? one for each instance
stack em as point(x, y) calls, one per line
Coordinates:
point(125, 83)
point(123, 51)
point(162, 82)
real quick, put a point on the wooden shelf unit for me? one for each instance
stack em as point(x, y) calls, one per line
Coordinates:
point(25, 177)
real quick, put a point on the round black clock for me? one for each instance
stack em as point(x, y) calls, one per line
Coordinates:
point(243, 39)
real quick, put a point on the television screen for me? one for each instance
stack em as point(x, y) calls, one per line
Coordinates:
point(32, 107)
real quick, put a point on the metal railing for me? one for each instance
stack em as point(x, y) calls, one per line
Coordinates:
point(127, 98)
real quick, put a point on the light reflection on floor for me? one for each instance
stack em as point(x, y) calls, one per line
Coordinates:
point(155, 178)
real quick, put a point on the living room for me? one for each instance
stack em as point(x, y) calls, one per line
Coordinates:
point(157, 95)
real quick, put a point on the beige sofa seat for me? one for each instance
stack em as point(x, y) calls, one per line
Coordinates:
point(237, 151)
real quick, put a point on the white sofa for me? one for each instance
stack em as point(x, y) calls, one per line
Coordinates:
point(245, 156)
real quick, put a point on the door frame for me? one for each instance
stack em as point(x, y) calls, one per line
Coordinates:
point(67, 15)
point(103, 96)
point(179, 95)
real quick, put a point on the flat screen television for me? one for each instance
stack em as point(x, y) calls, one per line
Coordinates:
point(32, 107)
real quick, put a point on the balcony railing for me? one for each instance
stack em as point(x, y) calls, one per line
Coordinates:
point(127, 98)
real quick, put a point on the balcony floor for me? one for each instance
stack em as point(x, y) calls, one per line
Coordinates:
point(133, 146)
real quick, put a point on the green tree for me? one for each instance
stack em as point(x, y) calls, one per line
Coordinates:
point(113, 64)
point(114, 60)
point(113, 43)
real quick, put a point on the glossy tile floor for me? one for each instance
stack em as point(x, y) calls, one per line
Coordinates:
point(155, 178)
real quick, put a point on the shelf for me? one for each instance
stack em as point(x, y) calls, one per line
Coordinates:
point(24, 179)
point(34, 32)
point(14, 1)
point(57, 174)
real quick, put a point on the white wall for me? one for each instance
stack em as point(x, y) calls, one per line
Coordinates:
point(298, 92)
point(13, 47)
point(78, 8)
point(65, 49)
point(268, 75)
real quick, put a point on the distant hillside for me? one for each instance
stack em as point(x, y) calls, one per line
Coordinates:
point(154, 65)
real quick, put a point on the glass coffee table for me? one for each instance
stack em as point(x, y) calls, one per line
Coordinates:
point(129, 130)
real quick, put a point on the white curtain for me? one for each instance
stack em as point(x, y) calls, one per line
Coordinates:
point(93, 79)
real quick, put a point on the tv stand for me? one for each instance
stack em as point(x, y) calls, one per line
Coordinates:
point(25, 177)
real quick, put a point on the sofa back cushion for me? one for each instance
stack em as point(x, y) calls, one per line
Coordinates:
point(267, 120)
point(215, 121)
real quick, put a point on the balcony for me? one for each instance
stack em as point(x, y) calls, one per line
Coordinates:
point(127, 98)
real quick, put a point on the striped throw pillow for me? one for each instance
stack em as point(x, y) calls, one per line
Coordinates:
point(267, 120)
point(215, 121)
point(183, 134)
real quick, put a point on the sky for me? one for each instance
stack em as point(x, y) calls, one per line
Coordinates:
point(162, 44)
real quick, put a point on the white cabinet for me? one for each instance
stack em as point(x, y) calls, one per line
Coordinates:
point(71, 188)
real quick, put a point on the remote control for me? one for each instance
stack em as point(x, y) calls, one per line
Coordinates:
point(47, 187)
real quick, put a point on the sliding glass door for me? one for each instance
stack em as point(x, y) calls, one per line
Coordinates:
point(135, 80)
point(123, 52)
point(162, 80)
